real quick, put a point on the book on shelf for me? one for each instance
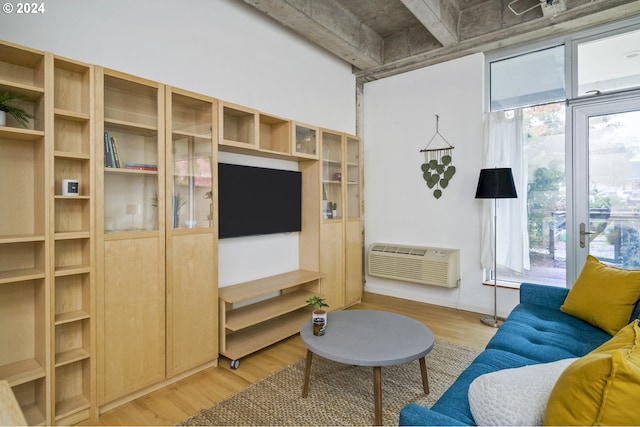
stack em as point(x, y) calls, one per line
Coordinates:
point(111, 152)
point(140, 166)
point(115, 148)
point(107, 151)
point(112, 157)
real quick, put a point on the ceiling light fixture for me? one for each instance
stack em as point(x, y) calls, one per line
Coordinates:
point(549, 7)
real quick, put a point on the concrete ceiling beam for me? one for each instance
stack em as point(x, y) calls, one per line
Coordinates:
point(435, 30)
point(577, 19)
point(328, 25)
point(439, 17)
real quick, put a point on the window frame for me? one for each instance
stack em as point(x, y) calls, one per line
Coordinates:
point(571, 43)
point(574, 42)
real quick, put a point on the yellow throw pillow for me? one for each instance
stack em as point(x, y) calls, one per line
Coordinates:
point(601, 388)
point(603, 296)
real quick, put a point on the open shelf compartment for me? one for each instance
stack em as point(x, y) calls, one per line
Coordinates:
point(257, 324)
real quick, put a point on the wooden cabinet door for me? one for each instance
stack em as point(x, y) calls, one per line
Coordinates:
point(353, 266)
point(353, 223)
point(332, 264)
point(132, 355)
point(192, 303)
point(191, 219)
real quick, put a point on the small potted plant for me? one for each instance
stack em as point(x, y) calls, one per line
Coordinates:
point(318, 316)
point(7, 101)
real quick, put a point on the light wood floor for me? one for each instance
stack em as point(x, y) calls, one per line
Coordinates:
point(180, 400)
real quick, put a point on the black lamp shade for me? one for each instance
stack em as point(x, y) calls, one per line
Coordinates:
point(496, 183)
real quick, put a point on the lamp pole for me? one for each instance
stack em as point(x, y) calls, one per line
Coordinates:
point(486, 319)
point(495, 184)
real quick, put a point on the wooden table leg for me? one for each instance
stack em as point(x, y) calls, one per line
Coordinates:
point(377, 395)
point(307, 373)
point(423, 372)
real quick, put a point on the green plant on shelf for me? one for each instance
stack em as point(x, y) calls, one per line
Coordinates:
point(7, 104)
point(178, 203)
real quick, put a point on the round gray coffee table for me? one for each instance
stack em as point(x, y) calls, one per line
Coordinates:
point(369, 338)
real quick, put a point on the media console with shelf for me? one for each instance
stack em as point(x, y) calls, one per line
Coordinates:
point(257, 325)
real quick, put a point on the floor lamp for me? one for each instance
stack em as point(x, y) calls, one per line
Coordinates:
point(495, 184)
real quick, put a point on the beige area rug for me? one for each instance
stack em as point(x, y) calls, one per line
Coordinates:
point(338, 394)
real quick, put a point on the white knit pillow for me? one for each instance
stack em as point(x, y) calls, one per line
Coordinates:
point(515, 396)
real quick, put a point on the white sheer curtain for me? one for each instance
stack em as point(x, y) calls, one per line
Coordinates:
point(503, 147)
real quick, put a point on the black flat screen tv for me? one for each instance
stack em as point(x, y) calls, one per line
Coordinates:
point(254, 200)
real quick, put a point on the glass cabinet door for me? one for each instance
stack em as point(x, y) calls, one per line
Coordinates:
point(331, 176)
point(131, 155)
point(305, 143)
point(353, 177)
point(191, 189)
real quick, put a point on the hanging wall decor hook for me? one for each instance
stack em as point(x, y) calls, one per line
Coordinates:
point(438, 168)
point(437, 133)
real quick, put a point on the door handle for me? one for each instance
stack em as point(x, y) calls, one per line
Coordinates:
point(583, 233)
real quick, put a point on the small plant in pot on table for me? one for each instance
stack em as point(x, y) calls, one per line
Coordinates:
point(319, 316)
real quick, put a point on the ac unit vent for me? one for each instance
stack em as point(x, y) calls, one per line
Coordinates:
point(425, 265)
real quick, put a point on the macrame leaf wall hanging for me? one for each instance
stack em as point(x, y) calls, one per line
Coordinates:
point(438, 168)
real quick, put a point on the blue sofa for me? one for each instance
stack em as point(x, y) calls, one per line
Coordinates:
point(536, 331)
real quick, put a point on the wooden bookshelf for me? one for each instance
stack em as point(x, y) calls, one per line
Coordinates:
point(191, 231)
point(304, 141)
point(72, 245)
point(90, 284)
point(341, 225)
point(275, 134)
point(239, 126)
point(24, 233)
point(130, 235)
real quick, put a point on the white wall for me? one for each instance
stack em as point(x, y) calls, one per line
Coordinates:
point(399, 120)
point(220, 48)
point(224, 49)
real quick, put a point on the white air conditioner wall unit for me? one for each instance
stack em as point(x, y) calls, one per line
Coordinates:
point(418, 264)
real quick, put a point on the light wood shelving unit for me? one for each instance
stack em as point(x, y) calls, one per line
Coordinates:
point(130, 235)
point(341, 228)
point(72, 254)
point(353, 235)
point(251, 327)
point(239, 127)
point(107, 294)
point(304, 141)
point(191, 232)
point(332, 246)
point(275, 135)
point(244, 330)
point(247, 131)
point(24, 235)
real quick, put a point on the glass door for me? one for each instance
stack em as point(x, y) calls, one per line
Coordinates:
point(332, 208)
point(353, 177)
point(607, 189)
